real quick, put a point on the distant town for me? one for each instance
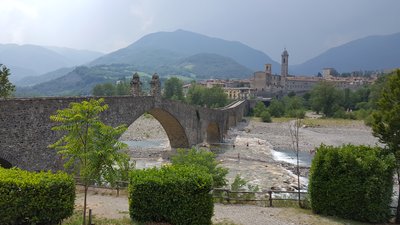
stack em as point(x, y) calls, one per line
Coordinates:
point(264, 84)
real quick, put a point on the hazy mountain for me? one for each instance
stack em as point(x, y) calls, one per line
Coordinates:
point(33, 60)
point(165, 48)
point(33, 80)
point(76, 57)
point(79, 81)
point(369, 53)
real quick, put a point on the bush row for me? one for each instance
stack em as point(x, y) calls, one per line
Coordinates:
point(353, 182)
point(35, 198)
point(175, 194)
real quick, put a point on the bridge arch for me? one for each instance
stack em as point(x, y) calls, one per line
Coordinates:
point(175, 131)
point(213, 133)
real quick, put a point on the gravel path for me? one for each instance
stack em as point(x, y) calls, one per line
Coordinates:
point(105, 205)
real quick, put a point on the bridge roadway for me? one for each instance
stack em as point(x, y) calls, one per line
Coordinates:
point(25, 126)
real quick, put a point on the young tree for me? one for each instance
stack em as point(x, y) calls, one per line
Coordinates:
point(6, 87)
point(386, 121)
point(204, 159)
point(90, 147)
point(294, 127)
point(173, 89)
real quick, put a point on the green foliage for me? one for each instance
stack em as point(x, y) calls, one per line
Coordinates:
point(276, 108)
point(175, 194)
point(110, 89)
point(266, 117)
point(204, 159)
point(324, 98)
point(90, 146)
point(352, 182)
point(6, 87)
point(173, 89)
point(259, 108)
point(89, 142)
point(386, 119)
point(210, 97)
point(35, 198)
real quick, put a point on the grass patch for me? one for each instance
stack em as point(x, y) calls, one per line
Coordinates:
point(331, 122)
point(328, 220)
point(76, 219)
point(281, 119)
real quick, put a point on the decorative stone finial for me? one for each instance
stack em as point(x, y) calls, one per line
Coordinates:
point(136, 85)
point(155, 85)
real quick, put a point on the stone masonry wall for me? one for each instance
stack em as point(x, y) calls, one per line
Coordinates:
point(25, 126)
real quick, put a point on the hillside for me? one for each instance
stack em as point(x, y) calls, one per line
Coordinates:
point(34, 60)
point(164, 48)
point(33, 80)
point(370, 53)
point(206, 65)
point(80, 81)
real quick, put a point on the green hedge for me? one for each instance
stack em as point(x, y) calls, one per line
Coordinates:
point(178, 195)
point(35, 198)
point(353, 182)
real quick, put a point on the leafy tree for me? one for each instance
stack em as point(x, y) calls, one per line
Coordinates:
point(203, 159)
point(122, 88)
point(110, 89)
point(211, 97)
point(326, 98)
point(294, 106)
point(215, 97)
point(90, 147)
point(6, 87)
point(173, 89)
point(266, 117)
point(195, 95)
point(386, 121)
point(276, 108)
point(259, 108)
point(107, 89)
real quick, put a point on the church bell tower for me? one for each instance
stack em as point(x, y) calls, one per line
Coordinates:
point(285, 64)
point(284, 67)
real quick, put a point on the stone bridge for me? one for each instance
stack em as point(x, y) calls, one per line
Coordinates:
point(25, 127)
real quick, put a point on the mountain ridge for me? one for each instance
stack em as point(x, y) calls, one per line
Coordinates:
point(376, 52)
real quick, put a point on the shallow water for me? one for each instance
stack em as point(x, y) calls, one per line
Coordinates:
point(289, 156)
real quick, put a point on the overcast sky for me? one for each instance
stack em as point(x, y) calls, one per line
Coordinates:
point(305, 27)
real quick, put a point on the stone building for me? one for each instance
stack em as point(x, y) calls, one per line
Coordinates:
point(266, 84)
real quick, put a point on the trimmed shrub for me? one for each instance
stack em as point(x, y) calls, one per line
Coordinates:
point(35, 198)
point(353, 182)
point(178, 195)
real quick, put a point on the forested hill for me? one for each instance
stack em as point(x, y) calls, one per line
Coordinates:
point(165, 48)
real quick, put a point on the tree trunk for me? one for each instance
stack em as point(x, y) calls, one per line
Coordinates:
point(84, 204)
point(398, 197)
point(298, 177)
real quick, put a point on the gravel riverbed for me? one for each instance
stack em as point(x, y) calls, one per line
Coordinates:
point(249, 150)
